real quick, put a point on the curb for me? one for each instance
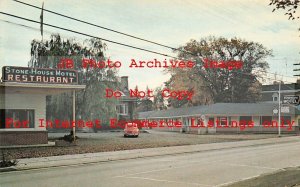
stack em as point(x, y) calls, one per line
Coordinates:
point(8, 169)
point(84, 159)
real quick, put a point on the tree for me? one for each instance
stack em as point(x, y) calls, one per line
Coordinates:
point(220, 84)
point(144, 104)
point(91, 102)
point(158, 100)
point(290, 6)
point(182, 80)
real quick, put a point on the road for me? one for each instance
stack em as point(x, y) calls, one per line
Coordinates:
point(204, 169)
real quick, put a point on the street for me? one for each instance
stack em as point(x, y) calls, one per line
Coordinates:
point(208, 168)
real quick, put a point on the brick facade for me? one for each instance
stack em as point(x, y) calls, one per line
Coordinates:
point(23, 137)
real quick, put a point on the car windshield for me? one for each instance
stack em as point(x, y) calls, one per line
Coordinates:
point(131, 125)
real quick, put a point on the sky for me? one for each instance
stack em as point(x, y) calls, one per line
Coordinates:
point(169, 22)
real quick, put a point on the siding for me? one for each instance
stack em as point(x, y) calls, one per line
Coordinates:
point(37, 102)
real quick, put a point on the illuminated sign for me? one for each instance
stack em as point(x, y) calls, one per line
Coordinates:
point(39, 75)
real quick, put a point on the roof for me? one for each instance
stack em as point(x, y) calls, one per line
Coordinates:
point(177, 112)
point(221, 109)
point(284, 87)
point(38, 88)
point(126, 96)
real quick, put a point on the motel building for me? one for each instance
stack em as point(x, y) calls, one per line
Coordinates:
point(215, 118)
point(23, 94)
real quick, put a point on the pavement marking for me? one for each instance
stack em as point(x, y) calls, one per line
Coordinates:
point(97, 162)
point(252, 166)
point(224, 161)
point(193, 162)
point(163, 169)
point(160, 180)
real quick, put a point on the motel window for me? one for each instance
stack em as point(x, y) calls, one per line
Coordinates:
point(200, 121)
point(265, 118)
point(122, 109)
point(222, 121)
point(212, 119)
point(16, 118)
point(245, 119)
point(229, 120)
point(287, 120)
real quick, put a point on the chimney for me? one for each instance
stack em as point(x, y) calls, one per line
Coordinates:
point(124, 83)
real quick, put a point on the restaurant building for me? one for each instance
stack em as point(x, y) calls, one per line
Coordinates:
point(23, 94)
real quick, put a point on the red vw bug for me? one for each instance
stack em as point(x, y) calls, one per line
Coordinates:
point(131, 129)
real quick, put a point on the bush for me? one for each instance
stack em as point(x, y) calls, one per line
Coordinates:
point(69, 137)
point(5, 162)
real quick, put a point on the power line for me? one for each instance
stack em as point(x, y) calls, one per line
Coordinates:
point(112, 30)
point(81, 33)
point(116, 42)
point(26, 26)
point(105, 28)
point(278, 74)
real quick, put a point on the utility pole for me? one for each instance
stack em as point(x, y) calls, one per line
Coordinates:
point(74, 115)
point(279, 109)
point(42, 21)
point(232, 89)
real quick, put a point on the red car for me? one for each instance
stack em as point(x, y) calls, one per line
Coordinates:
point(131, 129)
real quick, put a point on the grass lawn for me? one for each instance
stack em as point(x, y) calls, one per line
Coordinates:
point(284, 178)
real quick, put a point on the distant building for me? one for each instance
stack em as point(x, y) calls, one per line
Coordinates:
point(126, 106)
point(225, 113)
point(270, 92)
point(221, 113)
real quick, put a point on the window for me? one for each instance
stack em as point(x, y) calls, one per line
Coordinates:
point(222, 121)
point(229, 120)
point(212, 121)
point(265, 118)
point(16, 118)
point(283, 119)
point(122, 109)
point(275, 97)
point(287, 120)
point(245, 119)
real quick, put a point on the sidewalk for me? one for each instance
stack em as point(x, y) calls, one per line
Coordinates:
point(65, 160)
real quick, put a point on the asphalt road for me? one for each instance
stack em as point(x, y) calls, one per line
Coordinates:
point(211, 168)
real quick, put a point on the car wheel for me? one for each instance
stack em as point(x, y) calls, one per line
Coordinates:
point(125, 135)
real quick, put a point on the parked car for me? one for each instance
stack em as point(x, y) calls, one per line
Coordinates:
point(131, 129)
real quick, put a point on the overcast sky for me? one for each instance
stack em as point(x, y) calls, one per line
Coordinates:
point(170, 22)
